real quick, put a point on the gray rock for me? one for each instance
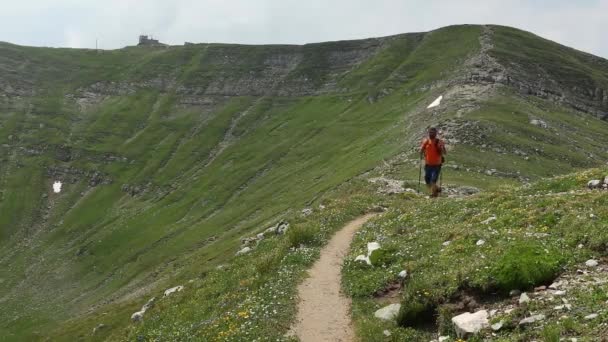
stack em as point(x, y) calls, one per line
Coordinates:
point(539, 123)
point(283, 227)
point(532, 319)
point(403, 274)
point(514, 293)
point(172, 290)
point(98, 327)
point(260, 236)
point(306, 211)
point(388, 313)
point(468, 324)
point(591, 317)
point(524, 298)
point(139, 315)
point(480, 242)
point(244, 251)
point(606, 180)
point(497, 326)
point(591, 263)
point(594, 184)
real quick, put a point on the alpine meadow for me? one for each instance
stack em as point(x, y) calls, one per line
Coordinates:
point(199, 183)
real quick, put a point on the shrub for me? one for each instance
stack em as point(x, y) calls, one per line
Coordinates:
point(305, 235)
point(415, 311)
point(382, 256)
point(525, 265)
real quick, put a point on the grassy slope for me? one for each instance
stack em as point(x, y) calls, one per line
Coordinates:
point(531, 241)
point(287, 151)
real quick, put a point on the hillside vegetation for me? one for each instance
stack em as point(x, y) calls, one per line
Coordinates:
point(170, 156)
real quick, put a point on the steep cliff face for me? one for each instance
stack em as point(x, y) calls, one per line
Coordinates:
point(168, 155)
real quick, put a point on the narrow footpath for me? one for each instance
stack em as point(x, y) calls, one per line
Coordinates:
point(323, 311)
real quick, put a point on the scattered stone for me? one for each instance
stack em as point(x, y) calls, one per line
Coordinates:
point(372, 246)
point(443, 338)
point(139, 315)
point(497, 326)
point(539, 123)
point(591, 263)
point(540, 288)
point(555, 285)
point(321, 207)
point(493, 312)
point(271, 230)
point(98, 327)
point(403, 274)
point(388, 313)
point(244, 251)
point(282, 227)
point(532, 319)
point(467, 323)
point(481, 243)
point(386, 333)
point(559, 293)
point(306, 211)
point(172, 290)
point(591, 317)
point(248, 241)
point(514, 293)
point(260, 236)
point(524, 298)
point(594, 184)
point(364, 259)
point(491, 219)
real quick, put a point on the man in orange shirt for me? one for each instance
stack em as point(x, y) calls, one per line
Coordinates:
point(433, 150)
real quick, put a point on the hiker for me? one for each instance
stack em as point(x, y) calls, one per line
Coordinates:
point(433, 150)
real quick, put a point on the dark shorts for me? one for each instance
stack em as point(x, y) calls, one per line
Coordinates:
point(431, 173)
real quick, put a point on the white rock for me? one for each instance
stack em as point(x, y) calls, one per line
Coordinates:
point(493, 312)
point(590, 317)
point(403, 274)
point(468, 323)
point(539, 123)
point(137, 316)
point(57, 187)
point(481, 243)
point(364, 259)
point(532, 319)
point(606, 180)
point(490, 219)
point(173, 289)
point(372, 246)
point(386, 333)
point(497, 326)
point(388, 313)
point(443, 338)
point(283, 227)
point(580, 246)
point(260, 236)
point(524, 298)
point(559, 293)
point(436, 103)
point(514, 293)
point(555, 285)
point(594, 184)
point(271, 230)
point(306, 211)
point(447, 243)
point(591, 263)
point(244, 251)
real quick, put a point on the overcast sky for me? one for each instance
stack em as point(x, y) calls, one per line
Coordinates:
point(582, 24)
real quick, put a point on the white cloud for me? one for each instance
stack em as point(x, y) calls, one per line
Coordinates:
point(117, 23)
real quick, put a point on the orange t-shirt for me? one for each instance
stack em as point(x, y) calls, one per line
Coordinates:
point(432, 151)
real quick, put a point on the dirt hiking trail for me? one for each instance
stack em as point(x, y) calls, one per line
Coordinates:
point(323, 311)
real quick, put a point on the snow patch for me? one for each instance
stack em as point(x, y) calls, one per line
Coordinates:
point(436, 103)
point(57, 187)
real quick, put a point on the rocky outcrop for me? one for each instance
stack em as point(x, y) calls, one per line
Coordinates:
point(73, 175)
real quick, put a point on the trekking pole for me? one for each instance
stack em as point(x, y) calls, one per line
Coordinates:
point(419, 172)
